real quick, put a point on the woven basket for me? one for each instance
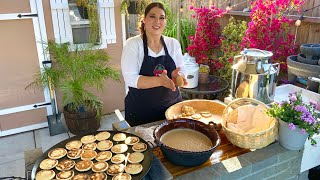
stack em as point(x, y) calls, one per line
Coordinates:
point(214, 107)
point(248, 140)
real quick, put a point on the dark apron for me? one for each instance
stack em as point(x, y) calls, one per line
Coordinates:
point(149, 105)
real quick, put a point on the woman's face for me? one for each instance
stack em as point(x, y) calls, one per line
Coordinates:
point(155, 21)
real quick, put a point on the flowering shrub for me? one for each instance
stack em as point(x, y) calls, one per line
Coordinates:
point(297, 114)
point(269, 29)
point(232, 36)
point(207, 38)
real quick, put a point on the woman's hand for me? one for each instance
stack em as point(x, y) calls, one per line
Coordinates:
point(166, 81)
point(175, 74)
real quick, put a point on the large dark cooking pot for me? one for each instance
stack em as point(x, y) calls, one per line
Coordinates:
point(187, 158)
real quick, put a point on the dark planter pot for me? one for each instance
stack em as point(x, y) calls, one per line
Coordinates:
point(311, 51)
point(83, 12)
point(132, 9)
point(81, 122)
point(187, 158)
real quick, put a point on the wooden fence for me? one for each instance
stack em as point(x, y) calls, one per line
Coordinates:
point(307, 32)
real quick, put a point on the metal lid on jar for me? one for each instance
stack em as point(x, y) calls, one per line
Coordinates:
point(252, 52)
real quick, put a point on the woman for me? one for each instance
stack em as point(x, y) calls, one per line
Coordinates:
point(150, 65)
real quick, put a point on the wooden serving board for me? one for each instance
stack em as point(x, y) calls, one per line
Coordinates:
point(224, 151)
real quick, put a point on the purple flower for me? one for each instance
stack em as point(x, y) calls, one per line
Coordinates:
point(313, 103)
point(303, 131)
point(293, 97)
point(292, 126)
point(302, 109)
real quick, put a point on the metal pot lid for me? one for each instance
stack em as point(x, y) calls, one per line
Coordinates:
point(252, 52)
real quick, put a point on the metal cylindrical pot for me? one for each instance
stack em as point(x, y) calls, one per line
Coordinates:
point(258, 86)
point(187, 158)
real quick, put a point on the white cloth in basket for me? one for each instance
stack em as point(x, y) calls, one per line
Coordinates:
point(250, 119)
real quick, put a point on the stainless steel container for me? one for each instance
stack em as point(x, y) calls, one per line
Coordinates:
point(253, 76)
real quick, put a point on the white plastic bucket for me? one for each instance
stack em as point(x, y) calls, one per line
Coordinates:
point(191, 75)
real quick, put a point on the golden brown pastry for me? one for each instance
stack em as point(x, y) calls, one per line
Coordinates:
point(179, 81)
point(45, 175)
point(47, 164)
point(102, 135)
point(57, 153)
point(135, 157)
point(133, 168)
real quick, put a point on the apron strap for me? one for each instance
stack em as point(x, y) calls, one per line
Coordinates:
point(164, 46)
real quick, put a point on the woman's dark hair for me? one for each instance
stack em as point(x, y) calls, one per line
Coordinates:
point(147, 10)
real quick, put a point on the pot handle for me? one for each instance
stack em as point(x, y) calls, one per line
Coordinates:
point(278, 68)
point(213, 125)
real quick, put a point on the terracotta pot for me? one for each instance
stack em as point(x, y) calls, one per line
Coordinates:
point(187, 158)
point(203, 78)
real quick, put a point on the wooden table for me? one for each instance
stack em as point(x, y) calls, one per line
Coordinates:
point(226, 150)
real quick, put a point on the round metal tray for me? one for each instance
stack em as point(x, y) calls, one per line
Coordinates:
point(146, 163)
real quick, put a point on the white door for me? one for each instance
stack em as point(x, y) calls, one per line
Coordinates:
point(22, 34)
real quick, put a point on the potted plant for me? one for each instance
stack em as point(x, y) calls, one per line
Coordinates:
point(297, 121)
point(72, 73)
point(204, 74)
point(133, 6)
point(88, 10)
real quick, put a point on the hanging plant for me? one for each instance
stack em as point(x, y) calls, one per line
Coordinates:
point(90, 11)
point(133, 6)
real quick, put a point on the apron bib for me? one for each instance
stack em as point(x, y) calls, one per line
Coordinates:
point(149, 105)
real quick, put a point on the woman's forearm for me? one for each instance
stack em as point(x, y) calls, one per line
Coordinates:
point(146, 82)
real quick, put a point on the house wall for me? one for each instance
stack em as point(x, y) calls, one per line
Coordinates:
point(19, 62)
point(113, 96)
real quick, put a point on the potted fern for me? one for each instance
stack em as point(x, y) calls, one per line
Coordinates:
point(133, 6)
point(71, 74)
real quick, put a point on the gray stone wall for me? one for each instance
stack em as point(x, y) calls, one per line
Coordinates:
point(272, 162)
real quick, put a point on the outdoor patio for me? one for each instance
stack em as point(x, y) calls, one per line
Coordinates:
point(12, 149)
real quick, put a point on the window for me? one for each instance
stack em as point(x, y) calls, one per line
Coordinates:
point(70, 23)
